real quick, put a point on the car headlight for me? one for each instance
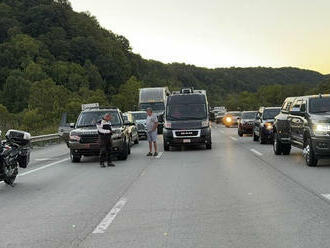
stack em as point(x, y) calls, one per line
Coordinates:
point(167, 124)
point(74, 137)
point(229, 119)
point(269, 125)
point(205, 123)
point(321, 129)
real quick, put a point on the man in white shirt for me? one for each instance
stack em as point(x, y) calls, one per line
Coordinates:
point(151, 126)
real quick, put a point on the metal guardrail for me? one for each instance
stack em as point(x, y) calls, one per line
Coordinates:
point(45, 138)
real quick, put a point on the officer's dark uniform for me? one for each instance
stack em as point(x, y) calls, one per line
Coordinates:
point(105, 132)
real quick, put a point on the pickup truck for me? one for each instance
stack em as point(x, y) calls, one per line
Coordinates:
point(304, 122)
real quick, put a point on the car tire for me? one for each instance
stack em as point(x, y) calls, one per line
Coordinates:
point(286, 149)
point(277, 145)
point(309, 153)
point(240, 133)
point(75, 158)
point(261, 138)
point(209, 146)
point(255, 137)
point(125, 151)
point(129, 148)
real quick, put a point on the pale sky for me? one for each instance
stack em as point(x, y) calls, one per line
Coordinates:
point(221, 33)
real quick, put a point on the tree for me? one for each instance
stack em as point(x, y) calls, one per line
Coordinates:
point(33, 72)
point(128, 96)
point(15, 93)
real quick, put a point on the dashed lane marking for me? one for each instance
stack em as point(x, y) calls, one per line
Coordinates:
point(159, 155)
point(233, 138)
point(326, 196)
point(42, 159)
point(256, 152)
point(221, 131)
point(110, 217)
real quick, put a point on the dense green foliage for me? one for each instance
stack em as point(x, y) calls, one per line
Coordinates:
point(53, 59)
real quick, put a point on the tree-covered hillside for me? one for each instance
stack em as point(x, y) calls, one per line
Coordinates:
point(52, 59)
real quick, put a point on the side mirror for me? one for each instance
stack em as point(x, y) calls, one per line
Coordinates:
point(72, 124)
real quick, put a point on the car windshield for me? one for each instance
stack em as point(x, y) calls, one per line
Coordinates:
point(249, 115)
point(192, 111)
point(139, 116)
point(155, 106)
point(270, 113)
point(319, 105)
point(89, 119)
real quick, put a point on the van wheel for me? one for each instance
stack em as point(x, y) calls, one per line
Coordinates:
point(309, 153)
point(75, 158)
point(209, 146)
point(166, 146)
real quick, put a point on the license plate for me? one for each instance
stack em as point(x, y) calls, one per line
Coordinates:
point(186, 141)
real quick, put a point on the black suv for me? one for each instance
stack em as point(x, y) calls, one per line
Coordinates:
point(84, 138)
point(263, 125)
point(305, 124)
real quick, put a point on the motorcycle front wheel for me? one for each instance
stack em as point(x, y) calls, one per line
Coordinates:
point(11, 179)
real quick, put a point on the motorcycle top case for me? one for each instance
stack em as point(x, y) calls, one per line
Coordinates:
point(19, 137)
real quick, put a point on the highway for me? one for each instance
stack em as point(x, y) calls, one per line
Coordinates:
point(239, 194)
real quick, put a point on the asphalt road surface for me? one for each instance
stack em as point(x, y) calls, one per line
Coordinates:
point(239, 194)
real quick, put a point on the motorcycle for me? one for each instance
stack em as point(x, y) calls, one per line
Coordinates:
point(14, 153)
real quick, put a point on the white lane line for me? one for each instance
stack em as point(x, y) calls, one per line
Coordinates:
point(326, 196)
point(233, 138)
point(109, 218)
point(256, 152)
point(159, 155)
point(42, 159)
point(42, 167)
point(221, 131)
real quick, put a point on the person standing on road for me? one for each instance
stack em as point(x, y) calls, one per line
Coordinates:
point(105, 132)
point(152, 125)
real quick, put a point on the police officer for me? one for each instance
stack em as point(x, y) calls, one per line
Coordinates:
point(105, 132)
